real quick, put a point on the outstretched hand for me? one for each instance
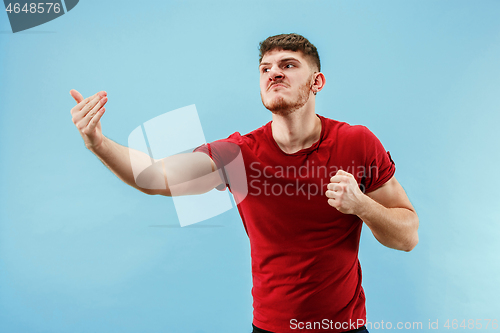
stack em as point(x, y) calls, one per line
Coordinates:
point(86, 116)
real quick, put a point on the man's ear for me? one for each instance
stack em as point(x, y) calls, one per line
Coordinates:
point(318, 82)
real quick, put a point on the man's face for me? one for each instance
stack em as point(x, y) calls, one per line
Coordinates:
point(286, 79)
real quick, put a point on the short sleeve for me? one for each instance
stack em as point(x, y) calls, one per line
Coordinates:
point(222, 152)
point(378, 162)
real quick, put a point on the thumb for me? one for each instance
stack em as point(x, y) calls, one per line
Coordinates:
point(76, 95)
point(345, 173)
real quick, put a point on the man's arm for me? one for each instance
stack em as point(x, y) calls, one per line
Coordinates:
point(183, 174)
point(387, 211)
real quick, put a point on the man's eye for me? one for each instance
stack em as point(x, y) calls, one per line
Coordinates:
point(265, 70)
point(289, 66)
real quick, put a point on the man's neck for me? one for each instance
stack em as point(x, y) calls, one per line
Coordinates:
point(296, 131)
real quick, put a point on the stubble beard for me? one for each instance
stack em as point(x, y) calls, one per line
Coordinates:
point(280, 106)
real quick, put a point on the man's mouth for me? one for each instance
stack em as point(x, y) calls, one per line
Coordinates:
point(277, 85)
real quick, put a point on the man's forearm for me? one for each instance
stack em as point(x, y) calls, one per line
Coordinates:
point(189, 173)
point(396, 228)
point(118, 159)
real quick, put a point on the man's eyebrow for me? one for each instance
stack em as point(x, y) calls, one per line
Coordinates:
point(289, 59)
point(281, 61)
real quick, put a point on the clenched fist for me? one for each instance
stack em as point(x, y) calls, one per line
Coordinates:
point(86, 116)
point(344, 194)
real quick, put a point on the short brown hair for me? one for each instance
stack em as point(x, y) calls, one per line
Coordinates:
point(290, 42)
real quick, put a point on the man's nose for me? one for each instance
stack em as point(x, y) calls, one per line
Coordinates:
point(275, 73)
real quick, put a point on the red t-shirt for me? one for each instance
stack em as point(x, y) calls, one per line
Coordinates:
point(305, 267)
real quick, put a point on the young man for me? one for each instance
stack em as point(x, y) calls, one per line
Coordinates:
point(309, 184)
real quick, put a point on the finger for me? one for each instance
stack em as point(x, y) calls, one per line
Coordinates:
point(82, 108)
point(84, 102)
point(331, 194)
point(76, 95)
point(344, 173)
point(336, 187)
point(96, 108)
point(94, 121)
point(88, 117)
point(90, 105)
point(333, 203)
point(77, 108)
point(338, 178)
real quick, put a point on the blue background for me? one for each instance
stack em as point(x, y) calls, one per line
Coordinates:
point(80, 251)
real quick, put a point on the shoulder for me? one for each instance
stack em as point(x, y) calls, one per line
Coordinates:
point(345, 131)
point(254, 135)
point(359, 132)
point(235, 142)
point(250, 139)
point(257, 134)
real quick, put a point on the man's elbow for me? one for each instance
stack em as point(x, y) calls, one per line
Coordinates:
point(165, 192)
point(411, 245)
point(413, 240)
